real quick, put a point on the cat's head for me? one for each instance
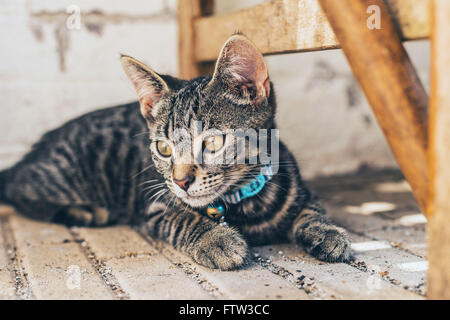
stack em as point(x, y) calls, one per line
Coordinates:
point(195, 125)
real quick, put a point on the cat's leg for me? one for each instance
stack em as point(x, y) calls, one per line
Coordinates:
point(206, 242)
point(70, 215)
point(42, 195)
point(319, 236)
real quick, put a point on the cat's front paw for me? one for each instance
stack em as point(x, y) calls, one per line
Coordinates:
point(327, 242)
point(221, 248)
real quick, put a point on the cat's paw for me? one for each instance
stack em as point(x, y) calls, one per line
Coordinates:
point(327, 242)
point(75, 216)
point(221, 248)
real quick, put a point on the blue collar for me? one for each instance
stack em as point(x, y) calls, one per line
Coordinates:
point(216, 210)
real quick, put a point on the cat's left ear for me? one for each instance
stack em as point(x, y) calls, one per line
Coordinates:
point(242, 69)
point(149, 86)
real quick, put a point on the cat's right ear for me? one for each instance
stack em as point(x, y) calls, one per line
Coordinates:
point(149, 86)
point(242, 71)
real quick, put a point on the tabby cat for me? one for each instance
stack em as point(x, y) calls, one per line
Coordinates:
point(97, 170)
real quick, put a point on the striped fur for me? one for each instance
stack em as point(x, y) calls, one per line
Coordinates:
point(97, 170)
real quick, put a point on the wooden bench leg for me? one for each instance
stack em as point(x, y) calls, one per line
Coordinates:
point(188, 12)
point(389, 81)
point(439, 154)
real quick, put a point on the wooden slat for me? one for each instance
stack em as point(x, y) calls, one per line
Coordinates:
point(439, 154)
point(411, 17)
point(294, 26)
point(390, 83)
point(275, 26)
point(188, 12)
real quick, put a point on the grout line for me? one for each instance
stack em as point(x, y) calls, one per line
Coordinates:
point(191, 271)
point(307, 284)
point(104, 271)
point(399, 246)
point(362, 266)
point(393, 244)
point(18, 274)
point(188, 268)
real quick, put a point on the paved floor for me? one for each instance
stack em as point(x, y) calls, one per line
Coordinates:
point(48, 261)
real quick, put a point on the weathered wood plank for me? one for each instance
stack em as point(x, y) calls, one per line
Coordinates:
point(411, 17)
point(439, 154)
point(188, 11)
point(381, 65)
point(294, 26)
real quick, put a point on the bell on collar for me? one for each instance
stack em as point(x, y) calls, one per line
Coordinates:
point(215, 212)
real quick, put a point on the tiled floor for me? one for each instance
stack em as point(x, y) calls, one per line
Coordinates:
point(48, 261)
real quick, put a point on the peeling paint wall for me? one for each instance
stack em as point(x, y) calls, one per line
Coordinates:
point(50, 73)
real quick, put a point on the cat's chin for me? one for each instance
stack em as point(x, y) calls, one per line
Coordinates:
point(199, 201)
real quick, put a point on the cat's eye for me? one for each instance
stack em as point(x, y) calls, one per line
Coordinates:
point(164, 148)
point(214, 143)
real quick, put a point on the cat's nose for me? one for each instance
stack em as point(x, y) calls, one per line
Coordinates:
point(185, 182)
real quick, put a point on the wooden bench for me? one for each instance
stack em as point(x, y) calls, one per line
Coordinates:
point(418, 132)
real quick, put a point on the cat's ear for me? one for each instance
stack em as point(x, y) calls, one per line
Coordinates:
point(242, 69)
point(149, 86)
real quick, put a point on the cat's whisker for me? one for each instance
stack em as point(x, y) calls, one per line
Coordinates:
point(159, 185)
point(160, 192)
point(161, 196)
point(156, 184)
point(141, 133)
point(148, 181)
point(142, 171)
point(173, 198)
point(149, 192)
point(152, 189)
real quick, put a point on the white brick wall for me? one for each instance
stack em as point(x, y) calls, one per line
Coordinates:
point(323, 115)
